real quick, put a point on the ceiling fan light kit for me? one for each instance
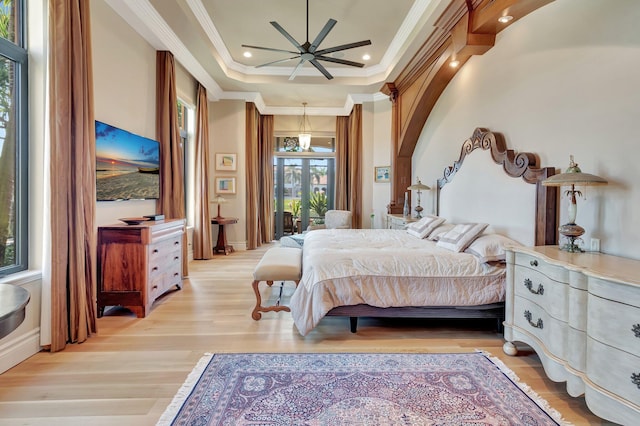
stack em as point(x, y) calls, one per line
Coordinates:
point(308, 52)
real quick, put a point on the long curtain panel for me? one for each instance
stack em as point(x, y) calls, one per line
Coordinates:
point(172, 199)
point(202, 241)
point(259, 175)
point(72, 174)
point(349, 164)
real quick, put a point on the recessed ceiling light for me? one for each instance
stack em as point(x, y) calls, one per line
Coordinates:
point(504, 19)
point(247, 54)
point(366, 57)
point(454, 64)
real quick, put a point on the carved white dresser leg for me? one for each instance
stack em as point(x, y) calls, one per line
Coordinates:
point(510, 349)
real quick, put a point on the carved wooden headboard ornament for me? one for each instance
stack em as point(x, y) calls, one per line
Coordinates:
point(523, 164)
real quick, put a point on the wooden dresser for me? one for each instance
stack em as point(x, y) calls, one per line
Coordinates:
point(580, 312)
point(138, 263)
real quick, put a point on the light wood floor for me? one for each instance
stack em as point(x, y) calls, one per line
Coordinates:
point(128, 373)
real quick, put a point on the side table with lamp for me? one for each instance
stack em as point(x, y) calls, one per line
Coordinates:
point(221, 244)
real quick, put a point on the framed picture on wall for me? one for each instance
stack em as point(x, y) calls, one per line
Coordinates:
point(226, 185)
point(226, 162)
point(383, 174)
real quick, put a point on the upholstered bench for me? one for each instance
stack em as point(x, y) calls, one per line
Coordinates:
point(277, 264)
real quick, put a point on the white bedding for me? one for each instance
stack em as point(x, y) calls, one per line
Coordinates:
point(386, 268)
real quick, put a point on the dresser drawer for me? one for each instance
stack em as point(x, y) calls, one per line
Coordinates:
point(556, 273)
point(533, 319)
point(614, 324)
point(534, 285)
point(614, 370)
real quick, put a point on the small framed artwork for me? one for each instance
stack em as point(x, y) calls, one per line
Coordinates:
point(226, 185)
point(383, 174)
point(226, 162)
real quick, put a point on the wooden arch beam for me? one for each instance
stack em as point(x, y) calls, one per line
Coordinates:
point(466, 28)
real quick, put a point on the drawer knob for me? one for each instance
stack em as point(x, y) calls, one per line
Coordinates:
point(176, 258)
point(155, 268)
point(635, 379)
point(537, 324)
point(529, 285)
point(155, 287)
point(636, 330)
point(533, 263)
point(176, 243)
point(155, 250)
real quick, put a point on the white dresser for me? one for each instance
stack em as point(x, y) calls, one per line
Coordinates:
point(580, 312)
point(398, 221)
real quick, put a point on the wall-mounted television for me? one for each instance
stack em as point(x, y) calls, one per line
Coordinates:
point(127, 165)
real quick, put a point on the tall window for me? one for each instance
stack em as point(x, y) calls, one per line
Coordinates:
point(13, 138)
point(186, 124)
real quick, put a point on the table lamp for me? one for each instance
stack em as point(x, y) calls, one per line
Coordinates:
point(219, 200)
point(418, 187)
point(571, 177)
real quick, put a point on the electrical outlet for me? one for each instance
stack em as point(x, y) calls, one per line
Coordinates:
point(595, 244)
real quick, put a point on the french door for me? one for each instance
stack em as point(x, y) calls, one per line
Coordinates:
point(304, 187)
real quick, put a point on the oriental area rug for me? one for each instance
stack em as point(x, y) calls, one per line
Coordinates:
point(356, 389)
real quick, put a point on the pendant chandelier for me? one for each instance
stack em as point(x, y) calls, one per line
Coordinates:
point(304, 137)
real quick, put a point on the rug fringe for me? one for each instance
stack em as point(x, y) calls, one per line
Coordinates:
point(185, 390)
point(541, 402)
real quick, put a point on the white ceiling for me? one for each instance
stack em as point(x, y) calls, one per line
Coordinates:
point(205, 36)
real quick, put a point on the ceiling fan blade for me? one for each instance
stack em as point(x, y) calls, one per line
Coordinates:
point(287, 36)
point(339, 61)
point(321, 69)
point(271, 49)
point(322, 34)
point(343, 47)
point(276, 62)
point(296, 70)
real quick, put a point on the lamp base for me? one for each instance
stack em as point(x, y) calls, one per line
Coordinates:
point(418, 210)
point(572, 232)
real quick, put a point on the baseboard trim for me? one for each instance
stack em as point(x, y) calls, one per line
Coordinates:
point(14, 351)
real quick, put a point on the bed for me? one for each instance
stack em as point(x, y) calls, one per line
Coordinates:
point(393, 273)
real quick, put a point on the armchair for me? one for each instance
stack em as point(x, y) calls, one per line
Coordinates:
point(334, 219)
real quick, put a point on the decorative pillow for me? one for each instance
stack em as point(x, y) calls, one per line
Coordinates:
point(490, 247)
point(440, 230)
point(424, 226)
point(461, 236)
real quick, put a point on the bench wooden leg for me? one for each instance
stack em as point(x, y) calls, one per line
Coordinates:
point(256, 315)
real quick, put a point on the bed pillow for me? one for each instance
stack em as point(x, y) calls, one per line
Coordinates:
point(490, 247)
point(424, 226)
point(440, 230)
point(461, 236)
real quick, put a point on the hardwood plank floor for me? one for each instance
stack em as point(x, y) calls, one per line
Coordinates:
point(128, 373)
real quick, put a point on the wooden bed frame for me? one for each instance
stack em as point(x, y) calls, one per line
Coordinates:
point(516, 165)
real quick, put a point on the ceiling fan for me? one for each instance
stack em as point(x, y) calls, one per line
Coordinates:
point(309, 51)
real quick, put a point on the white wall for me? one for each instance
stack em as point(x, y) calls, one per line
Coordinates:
point(563, 80)
point(124, 73)
point(227, 135)
point(379, 142)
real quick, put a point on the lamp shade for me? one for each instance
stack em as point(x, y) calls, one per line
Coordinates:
point(304, 137)
point(418, 186)
point(574, 176)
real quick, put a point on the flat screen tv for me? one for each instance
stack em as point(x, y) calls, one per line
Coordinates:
point(127, 165)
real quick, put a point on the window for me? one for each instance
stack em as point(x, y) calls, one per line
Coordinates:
point(186, 123)
point(13, 138)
